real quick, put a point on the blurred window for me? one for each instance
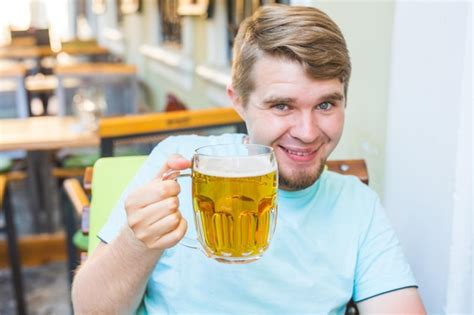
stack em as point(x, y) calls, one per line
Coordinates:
point(239, 10)
point(170, 21)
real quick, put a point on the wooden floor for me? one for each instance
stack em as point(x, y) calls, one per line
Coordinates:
point(47, 290)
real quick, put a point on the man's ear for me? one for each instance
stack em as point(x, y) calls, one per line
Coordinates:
point(236, 101)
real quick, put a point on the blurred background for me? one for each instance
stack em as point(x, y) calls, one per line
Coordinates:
point(409, 113)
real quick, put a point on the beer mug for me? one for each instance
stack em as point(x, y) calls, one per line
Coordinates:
point(234, 193)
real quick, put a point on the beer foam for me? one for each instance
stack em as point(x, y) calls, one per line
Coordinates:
point(236, 167)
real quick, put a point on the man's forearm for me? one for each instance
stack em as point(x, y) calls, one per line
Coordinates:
point(113, 280)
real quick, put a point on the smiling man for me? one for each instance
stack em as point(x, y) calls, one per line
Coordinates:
point(306, 116)
point(333, 242)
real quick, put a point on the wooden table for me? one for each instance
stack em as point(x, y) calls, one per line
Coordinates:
point(44, 133)
point(88, 50)
point(35, 52)
point(25, 52)
point(41, 137)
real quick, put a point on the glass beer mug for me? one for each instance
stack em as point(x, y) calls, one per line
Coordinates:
point(234, 192)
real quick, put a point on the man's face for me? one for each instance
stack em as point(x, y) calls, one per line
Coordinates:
point(301, 118)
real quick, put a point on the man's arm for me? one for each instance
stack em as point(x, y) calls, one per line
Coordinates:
point(403, 301)
point(113, 279)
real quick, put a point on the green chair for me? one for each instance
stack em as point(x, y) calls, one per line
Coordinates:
point(109, 178)
point(107, 186)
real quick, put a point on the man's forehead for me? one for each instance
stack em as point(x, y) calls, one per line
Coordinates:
point(275, 69)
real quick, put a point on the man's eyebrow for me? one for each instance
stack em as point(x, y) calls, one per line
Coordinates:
point(277, 100)
point(335, 96)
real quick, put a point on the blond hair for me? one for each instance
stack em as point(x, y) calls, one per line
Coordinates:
point(303, 34)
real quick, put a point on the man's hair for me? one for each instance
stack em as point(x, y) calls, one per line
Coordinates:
point(302, 34)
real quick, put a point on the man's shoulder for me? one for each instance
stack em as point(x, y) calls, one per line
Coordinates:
point(347, 188)
point(334, 178)
point(347, 199)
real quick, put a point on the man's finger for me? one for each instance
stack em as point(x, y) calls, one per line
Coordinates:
point(172, 238)
point(174, 162)
point(151, 193)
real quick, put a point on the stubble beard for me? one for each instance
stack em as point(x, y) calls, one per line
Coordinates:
point(300, 179)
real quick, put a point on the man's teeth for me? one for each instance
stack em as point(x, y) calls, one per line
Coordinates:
point(298, 153)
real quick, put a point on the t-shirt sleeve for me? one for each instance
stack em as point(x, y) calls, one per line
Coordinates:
point(381, 265)
point(147, 172)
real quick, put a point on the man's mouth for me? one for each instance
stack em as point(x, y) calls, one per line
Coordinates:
point(300, 154)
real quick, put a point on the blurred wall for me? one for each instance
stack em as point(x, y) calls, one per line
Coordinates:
point(430, 203)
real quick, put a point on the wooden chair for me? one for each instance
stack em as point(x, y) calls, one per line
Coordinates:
point(356, 168)
point(13, 104)
point(12, 240)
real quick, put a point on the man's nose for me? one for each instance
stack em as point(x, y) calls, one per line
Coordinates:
point(305, 128)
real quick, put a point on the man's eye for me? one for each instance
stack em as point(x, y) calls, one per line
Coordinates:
point(325, 106)
point(282, 107)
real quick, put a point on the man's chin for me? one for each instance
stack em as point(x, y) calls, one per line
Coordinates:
point(300, 179)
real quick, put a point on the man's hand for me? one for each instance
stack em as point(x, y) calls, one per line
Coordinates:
point(154, 222)
point(153, 209)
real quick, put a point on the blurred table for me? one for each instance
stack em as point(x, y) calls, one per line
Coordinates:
point(85, 50)
point(42, 58)
point(32, 52)
point(41, 137)
point(25, 52)
point(44, 133)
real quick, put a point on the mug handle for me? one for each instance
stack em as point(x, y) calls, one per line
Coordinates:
point(186, 241)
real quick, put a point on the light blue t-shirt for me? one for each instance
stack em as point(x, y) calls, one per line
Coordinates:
point(332, 242)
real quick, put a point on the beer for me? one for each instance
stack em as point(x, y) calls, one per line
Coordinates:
point(235, 214)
